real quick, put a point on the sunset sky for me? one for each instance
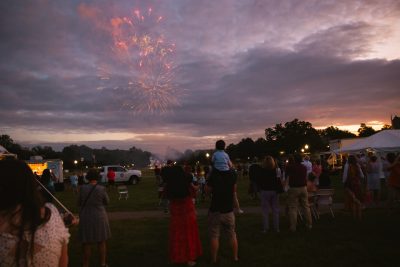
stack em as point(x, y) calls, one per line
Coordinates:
point(69, 72)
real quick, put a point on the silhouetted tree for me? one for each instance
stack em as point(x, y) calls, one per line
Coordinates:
point(232, 151)
point(261, 148)
point(386, 127)
point(69, 154)
point(331, 133)
point(365, 131)
point(8, 143)
point(293, 136)
point(246, 148)
point(46, 152)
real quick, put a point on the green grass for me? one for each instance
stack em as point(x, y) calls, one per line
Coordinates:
point(332, 242)
point(144, 196)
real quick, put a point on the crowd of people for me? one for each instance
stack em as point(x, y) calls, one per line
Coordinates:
point(364, 177)
point(268, 180)
point(34, 233)
point(301, 178)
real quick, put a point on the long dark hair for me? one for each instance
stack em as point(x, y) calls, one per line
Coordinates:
point(19, 196)
point(352, 160)
point(178, 182)
point(269, 163)
point(354, 169)
point(46, 177)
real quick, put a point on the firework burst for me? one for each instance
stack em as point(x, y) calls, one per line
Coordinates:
point(145, 64)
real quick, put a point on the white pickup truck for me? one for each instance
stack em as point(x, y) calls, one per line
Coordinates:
point(121, 174)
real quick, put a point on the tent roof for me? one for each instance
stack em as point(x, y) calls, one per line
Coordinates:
point(3, 150)
point(5, 154)
point(387, 140)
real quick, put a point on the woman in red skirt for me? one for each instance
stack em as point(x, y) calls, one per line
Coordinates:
point(184, 241)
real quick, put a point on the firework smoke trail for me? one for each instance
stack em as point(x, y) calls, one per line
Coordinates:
point(146, 58)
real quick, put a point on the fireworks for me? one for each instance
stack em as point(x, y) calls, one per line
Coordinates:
point(144, 63)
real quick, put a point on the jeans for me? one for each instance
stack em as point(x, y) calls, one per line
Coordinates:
point(269, 199)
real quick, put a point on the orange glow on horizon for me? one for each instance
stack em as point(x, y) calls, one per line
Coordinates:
point(353, 128)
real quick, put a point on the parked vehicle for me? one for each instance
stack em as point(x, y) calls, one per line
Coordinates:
point(122, 175)
point(38, 165)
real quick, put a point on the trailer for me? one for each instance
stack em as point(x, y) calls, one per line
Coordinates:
point(38, 165)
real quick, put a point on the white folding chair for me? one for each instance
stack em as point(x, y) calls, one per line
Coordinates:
point(122, 192)
point(312, 197)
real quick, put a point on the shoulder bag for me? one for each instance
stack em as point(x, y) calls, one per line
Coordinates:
point(87, 197)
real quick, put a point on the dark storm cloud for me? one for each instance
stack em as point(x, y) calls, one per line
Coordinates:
point(241, 66)
point(348, 40)
point(294, 85)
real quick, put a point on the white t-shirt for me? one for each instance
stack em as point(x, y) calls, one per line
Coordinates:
point(308, 165)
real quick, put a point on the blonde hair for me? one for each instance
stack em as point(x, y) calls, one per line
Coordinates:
point(269, 163)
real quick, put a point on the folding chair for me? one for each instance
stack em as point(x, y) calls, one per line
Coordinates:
point(325, 197)
point(122, 192)
point(312, 197)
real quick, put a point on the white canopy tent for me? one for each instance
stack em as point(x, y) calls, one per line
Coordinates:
point(2, 149)
point(384, 141)
point(5, 154)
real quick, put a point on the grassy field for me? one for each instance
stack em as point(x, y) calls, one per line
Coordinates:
point(332, 242)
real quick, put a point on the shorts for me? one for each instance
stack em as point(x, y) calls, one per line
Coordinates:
point(217, 220)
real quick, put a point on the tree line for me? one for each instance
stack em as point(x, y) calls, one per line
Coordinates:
point(75, 157)
point(282, 139)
